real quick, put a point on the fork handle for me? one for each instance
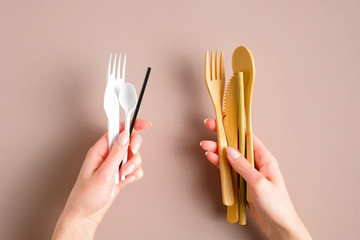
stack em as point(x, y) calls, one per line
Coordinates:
point(225, 171)
point(111, 135)
point(113, 129)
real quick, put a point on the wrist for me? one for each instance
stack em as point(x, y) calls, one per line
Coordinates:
point(293, 230)
point(298, 231)
point(72, 226)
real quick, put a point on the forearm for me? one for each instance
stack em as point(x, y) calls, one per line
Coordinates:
point(74, 228)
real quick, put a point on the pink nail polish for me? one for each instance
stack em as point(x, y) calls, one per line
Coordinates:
point(135, 148)
point(123, 138)
point(232, 153)
point(130, 179)
point(129, 169)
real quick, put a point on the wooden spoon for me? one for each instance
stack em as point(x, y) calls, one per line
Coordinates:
point(243, 61)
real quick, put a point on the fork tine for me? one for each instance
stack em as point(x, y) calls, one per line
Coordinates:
point(207, 66)
point(217, 66)
point(118, 68)
point(222, 66)
point(212, 66)
point(123, 70)
point(114, 66)
point(109, 69)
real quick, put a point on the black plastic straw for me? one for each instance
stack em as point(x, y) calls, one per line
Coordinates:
point(140, 99)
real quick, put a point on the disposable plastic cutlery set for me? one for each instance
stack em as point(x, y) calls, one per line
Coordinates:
point(120, 93)
point(232, 106)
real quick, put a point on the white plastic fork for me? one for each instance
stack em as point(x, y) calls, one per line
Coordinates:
point(114, 82)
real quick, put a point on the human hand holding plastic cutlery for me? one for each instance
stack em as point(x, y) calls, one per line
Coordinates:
point(95, 188)
point(118, 92)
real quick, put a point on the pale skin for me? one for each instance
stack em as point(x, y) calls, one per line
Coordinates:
point(271, 205)
point(95, 189)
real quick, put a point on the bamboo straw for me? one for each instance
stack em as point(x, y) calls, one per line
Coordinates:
point(241, 126)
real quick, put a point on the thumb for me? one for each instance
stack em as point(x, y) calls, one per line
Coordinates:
point(242, 166)
point(117, 153)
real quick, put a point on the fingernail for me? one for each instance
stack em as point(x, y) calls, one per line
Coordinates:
point(123, 138)
point(201, 143)
point(130, 179)
point(113, 191)
point(149, 123)
point(129, 169)
point(135, 148)
point(206, 153)
point(206, 120)
point(232, 153)
point(117, 178)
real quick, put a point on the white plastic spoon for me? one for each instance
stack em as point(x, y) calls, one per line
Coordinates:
point(128, 100)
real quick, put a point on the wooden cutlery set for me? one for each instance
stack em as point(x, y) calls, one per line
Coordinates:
point(232, 104)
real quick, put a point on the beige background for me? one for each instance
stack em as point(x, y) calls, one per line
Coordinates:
point(53, 59)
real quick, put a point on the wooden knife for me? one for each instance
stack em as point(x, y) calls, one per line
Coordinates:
point(230, 121)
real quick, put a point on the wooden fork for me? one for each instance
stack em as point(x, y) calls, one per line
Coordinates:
point(215, 82)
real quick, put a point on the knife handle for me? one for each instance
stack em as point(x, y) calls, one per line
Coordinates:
point(225, 173)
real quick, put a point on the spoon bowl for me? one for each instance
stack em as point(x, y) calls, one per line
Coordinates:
point(128, 98)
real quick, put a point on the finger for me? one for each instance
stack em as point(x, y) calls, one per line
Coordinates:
point(262, 155)
point(135, 176)
point(210, 124)
point(132, 164)
point(243, 167)
point(135, 142)
point(117, 153)
point(96, 155)
point(210, 146)
point(265, 161)
point(213, 158)
point(140, 124)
